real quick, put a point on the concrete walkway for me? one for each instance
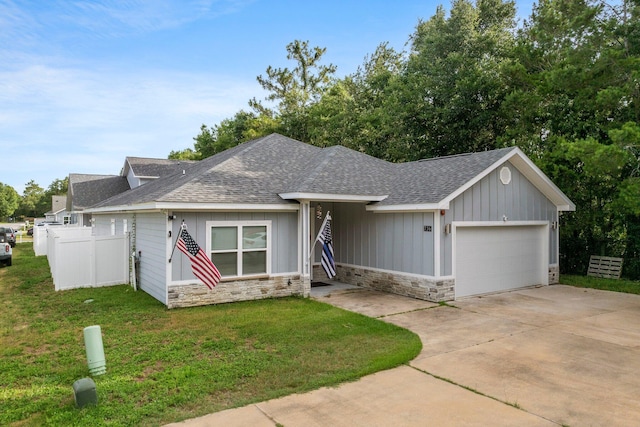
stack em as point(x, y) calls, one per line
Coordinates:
point(548, 356)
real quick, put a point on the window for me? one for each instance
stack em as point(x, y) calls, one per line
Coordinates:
point(240, 248)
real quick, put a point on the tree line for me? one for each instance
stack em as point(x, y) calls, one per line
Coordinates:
point(34, 201)
point(564, 87)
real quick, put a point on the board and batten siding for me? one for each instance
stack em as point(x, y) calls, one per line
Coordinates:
point(284, 238)
point(386, 241)
point(151, 245)
point(491, 200)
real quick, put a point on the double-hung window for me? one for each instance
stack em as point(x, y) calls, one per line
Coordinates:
point(240, 248)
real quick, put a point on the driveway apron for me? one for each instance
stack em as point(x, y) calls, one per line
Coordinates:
point(548, 356)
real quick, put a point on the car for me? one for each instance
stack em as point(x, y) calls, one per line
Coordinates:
point(11, 236)
point(5, 248)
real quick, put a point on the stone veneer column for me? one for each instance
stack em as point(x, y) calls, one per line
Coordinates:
point(554, 274)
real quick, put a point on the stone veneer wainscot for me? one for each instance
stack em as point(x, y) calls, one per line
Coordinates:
point(402, 284)
point(196, 294)
point(394, 282)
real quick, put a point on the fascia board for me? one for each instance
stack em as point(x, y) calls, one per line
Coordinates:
point(230, 207)
point(530, 171)
point(478, 177)
point(541, 181)
point(327, 197)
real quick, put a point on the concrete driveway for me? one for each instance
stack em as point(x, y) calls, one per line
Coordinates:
point(547, 356)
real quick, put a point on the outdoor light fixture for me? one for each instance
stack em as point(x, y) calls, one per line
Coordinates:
point(171, 217)
point(318, 211)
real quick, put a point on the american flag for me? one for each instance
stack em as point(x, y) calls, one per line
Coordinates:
point(201, 264)
point(327, 262)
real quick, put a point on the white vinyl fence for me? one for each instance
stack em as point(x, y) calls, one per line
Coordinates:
point(79, 260)
point(40, 239)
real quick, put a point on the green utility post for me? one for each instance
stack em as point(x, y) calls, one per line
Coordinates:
point(95, 351)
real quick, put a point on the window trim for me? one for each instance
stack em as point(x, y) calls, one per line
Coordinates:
point(239, 250)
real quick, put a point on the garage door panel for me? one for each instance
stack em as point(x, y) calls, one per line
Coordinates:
point(491, 259)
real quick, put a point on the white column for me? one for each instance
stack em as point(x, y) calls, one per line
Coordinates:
point(304, 225)
point(437, 234)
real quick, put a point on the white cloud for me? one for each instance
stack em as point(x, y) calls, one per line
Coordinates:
point(74, 120)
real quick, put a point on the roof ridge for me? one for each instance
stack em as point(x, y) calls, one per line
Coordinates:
point(319, 165)
point(474, 153)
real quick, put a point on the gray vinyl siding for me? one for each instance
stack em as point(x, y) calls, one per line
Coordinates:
point(490, 200)
point(151, 236)
point(151, 244)
point(393, 241)
point(284, 238)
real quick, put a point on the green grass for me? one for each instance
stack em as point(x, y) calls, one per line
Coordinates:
point(621, 285)
point(169, 365)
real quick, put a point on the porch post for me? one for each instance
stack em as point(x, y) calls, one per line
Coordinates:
point(437, 231)
point(304, 246)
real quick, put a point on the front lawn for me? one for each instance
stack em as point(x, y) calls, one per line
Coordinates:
point(168, 365)
point(621, 285)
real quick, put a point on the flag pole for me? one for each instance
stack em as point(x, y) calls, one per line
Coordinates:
point(313, 245)
point(183, 226)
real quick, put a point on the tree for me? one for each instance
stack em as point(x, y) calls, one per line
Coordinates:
point(31, 199)
point(603, 180)
point(576, 77)
point(575, 107)
point(451, 98)
point(186, 154)
point(244, 126)
point(58, 187)
point(294, 91)
point(353, 111)
point(9, 200)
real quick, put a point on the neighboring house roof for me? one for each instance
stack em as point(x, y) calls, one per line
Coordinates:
point(270, 172)
point(251, 173)
point(86, 190)
point(143, 167)
point(58, 204)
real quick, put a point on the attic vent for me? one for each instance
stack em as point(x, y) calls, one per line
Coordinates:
point(505, 175)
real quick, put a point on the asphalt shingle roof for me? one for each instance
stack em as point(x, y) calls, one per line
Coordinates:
point(255, 172)
point(339, 170)
point(154, 168)
point(86, 190)
point(432, 180)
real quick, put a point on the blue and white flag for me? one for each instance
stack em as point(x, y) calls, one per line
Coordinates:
point(328, 263)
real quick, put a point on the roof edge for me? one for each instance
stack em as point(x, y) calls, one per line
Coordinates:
point(158, 206)
point(328, 197)
point(525, 166)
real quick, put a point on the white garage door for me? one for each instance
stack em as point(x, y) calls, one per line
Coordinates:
point(491, 259)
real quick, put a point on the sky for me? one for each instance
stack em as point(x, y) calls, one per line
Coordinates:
point(84, 84)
